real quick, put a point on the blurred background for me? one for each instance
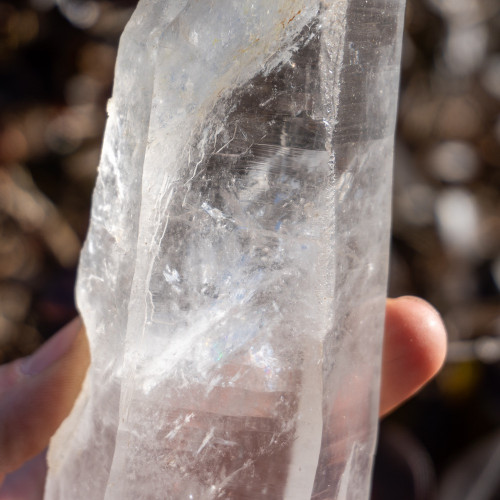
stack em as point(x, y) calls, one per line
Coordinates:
point(56, 71)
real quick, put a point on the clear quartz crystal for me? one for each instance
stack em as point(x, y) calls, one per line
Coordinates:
point(233, 278)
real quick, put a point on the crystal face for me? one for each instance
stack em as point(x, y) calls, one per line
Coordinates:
point(233, 279)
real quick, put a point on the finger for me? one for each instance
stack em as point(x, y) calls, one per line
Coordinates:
point(37, 393)
point(414, 349)
point(26, 483)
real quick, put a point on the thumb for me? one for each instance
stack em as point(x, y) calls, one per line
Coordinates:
point(37, 393)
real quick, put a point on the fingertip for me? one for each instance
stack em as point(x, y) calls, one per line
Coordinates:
point(414, 348)
point(52, 350)
point(422, 331)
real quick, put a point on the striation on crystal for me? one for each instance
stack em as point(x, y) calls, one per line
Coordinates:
point(233, 279)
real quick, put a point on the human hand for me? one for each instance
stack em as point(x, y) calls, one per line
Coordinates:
point(37, 393)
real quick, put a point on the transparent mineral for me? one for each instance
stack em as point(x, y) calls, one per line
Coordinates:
point(233, 278)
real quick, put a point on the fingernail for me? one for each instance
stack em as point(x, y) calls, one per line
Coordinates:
point(53, 350)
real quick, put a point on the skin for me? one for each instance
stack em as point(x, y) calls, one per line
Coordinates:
point(38, 392)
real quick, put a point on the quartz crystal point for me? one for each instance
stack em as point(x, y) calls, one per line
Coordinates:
point(233, 279)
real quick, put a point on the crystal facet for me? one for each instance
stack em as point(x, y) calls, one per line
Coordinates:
point(233, 279)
